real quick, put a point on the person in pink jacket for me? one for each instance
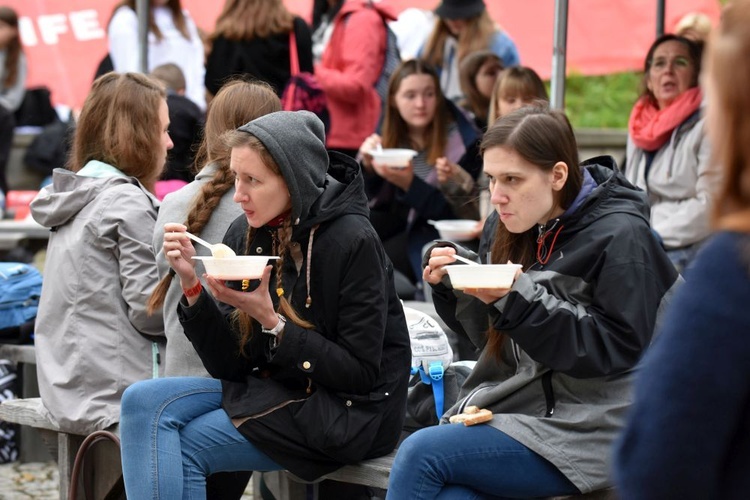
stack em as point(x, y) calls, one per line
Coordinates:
point(348, 70)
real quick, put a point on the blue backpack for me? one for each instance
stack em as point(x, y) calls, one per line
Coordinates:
point(20, 289)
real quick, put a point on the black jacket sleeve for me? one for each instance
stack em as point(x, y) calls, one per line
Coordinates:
point(304, 45)
point(207, 327)
point(605, 337)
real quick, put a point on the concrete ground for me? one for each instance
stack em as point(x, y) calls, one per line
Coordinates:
point(39, 481)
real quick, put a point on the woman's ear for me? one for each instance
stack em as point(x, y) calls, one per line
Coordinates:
point(559, 175)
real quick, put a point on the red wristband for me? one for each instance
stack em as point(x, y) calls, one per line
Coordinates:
point(192, 292)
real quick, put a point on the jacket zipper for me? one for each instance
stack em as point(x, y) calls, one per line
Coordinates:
point(516, 353)
point(241, 420)
point(549, 395)
point(467, 399)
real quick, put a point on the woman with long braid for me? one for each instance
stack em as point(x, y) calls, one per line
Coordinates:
point(312, 359)
point(206, 208)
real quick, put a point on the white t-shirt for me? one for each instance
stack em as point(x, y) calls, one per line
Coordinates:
point(172, 48)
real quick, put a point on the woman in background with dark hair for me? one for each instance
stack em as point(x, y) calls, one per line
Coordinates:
point(479, 71)
point(668, 153)
point(12, 84)
point(418, 117)
point(555, 364)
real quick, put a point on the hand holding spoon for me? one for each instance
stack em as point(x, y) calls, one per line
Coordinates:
point(218, 250)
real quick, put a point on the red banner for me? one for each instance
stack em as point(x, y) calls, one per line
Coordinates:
point(66, 39)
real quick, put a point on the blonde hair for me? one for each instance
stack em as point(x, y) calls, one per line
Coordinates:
point(520, 81)
point(728, 64)
point(120, 125)
point(476, 36)
point(248, 19)
point(694, 22)
point(236, 103)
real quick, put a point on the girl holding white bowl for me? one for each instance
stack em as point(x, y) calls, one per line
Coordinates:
point(311, 364)
point(402, 200)
point(556, 362)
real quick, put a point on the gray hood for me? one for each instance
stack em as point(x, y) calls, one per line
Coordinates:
point(69, 193)
point(296, 140)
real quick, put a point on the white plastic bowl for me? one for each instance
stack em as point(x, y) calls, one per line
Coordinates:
point(393, 158)
point(241, 267)
point(482, 276)
point(456, 230)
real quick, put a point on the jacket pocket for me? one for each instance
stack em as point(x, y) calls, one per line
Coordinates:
point(341, 426)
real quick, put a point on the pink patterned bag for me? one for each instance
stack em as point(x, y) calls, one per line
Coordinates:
point(302, 91)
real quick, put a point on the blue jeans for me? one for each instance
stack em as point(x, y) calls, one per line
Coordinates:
point(682, 257)
point(478, 462)
point(174, 433)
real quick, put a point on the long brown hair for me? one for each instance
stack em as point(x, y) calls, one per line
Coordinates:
point(175, 8)
point(395, 129)
point(13, 50)
point(727, 61)
point(542, 137)
point(477, 35)
point(248, 19)
point(236, 103)
point(237, 139)
point(476, 102)
point(120, 125)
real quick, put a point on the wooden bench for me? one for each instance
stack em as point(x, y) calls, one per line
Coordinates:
point(18, 353)
point(28, 412)
point(373, 473)
point(63, 445)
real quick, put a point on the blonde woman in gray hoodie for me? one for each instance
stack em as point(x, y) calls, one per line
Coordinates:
point(93, 335)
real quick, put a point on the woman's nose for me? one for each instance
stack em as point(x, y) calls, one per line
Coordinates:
point(497, 197)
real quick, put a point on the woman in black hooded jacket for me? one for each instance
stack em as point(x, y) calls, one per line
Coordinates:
point(318, 378)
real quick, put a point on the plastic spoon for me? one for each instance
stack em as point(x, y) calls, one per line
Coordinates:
point(218, 250)
point(465, 260)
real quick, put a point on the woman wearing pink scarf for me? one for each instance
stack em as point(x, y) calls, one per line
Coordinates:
point(667, 150)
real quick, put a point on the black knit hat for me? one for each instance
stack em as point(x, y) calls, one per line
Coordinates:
point(460, 9)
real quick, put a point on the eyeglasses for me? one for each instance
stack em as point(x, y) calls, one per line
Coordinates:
point(661, 63)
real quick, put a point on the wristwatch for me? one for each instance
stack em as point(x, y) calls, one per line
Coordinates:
point(276, 329)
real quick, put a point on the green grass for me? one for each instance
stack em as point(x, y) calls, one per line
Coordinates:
point(601, 101)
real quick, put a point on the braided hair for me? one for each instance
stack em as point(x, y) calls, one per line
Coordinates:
point(236, 103)
point(281, 242)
